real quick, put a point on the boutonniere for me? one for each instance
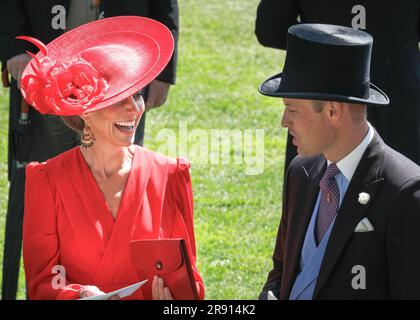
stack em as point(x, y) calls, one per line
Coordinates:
point(364, 198)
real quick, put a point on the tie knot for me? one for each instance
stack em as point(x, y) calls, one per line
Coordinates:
point(330, 173)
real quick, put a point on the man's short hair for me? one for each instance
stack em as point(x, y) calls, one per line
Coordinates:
point(357, 111)
point(318, 105)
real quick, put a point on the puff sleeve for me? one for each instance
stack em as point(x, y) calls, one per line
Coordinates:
point(41, 250)
point(182, 190)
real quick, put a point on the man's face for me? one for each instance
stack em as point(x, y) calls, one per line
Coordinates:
point(312, 132)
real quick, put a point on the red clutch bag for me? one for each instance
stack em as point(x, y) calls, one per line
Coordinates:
point(168, 259)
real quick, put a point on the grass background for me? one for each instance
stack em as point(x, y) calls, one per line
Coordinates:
point(220, 68)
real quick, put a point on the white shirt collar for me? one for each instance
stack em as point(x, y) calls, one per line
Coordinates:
point(348, 164)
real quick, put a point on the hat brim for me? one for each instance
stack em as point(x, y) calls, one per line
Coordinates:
point(271, 87)
point(151, 44)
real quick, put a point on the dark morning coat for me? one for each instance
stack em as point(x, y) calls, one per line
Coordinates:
point(47, 136)
point(390, 254)
point(164, 11)
point(395, 67)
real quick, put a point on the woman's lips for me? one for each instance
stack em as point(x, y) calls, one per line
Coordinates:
point(126, 126)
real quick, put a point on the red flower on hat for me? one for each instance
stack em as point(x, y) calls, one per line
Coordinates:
point(68, 88)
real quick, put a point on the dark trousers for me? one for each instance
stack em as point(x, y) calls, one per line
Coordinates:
point(13, 235)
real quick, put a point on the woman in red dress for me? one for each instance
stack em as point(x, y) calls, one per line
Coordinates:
point(84, 207)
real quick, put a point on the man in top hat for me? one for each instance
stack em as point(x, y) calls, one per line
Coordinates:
point(395, 64)
point(351, 204)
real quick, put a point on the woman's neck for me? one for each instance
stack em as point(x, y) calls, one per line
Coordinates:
point(105, 160)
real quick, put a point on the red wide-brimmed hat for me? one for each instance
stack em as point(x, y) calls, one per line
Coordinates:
point(95, 65)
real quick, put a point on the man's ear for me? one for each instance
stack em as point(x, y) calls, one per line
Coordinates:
point(335, 109)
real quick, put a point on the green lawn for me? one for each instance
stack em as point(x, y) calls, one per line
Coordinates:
point(236, 215)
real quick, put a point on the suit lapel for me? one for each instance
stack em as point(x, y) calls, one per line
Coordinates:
point(300, 216)
point(365, 179)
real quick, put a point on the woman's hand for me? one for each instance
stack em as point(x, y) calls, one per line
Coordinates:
point(90, 291)
point(159, 291)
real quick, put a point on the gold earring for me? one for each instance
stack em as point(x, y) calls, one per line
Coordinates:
point(87, 138)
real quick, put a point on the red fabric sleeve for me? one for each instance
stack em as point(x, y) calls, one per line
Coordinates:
point(41, 251)
point(183, 194)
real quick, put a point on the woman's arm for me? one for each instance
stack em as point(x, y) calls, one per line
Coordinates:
point(185, 223)
point(41, 250)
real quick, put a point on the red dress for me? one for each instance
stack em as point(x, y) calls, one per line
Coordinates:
point(67, 222)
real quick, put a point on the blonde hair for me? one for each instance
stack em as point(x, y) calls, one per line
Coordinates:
point(75, 123)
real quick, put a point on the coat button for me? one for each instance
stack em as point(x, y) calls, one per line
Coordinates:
point(159, 265)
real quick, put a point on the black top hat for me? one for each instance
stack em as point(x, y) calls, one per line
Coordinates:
point(326, 62)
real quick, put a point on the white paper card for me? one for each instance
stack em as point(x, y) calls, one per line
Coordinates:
point(122, 293)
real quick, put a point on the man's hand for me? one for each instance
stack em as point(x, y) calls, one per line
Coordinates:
point(16, 65)
point(157, 94)
point(159, 291)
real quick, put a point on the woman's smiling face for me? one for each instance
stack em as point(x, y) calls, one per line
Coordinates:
point(117, 123)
